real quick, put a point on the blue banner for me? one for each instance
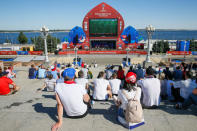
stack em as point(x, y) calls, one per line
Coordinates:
point(22, 52)
point(194, 52)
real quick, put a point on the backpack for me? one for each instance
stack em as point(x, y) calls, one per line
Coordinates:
point(134, 112)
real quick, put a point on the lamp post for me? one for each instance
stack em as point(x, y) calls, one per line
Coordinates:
point(127, 49)
point(44, 30)
point(149, 29)
point(75, 49)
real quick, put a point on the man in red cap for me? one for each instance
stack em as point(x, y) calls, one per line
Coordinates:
point(4, 86)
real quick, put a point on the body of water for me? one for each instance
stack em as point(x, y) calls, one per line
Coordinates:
point(158, 34)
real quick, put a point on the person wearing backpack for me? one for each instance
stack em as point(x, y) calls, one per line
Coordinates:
point(128, 102)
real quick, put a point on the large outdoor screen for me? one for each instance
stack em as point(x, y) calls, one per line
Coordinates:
point(103, 27)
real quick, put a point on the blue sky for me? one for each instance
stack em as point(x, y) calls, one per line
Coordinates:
point(65, 14)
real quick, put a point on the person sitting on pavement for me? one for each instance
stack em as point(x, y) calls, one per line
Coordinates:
point(11, 74)
point(167, 72)
point(102, 89)
point(120, 73)
point(139, 72)
point(132, 91)
point(109, 71)
point(5, 88)
point(115, 84)
point(182, 89)
point(85, 71)
point(151, 89)
point(178, 74)
point(61, 78)
point(32, 72)
point(49, 83)
point(90, 75)
point(192, 99)
point(41, 72)
point(72, 97)
point(54, 72)
point(82, 81)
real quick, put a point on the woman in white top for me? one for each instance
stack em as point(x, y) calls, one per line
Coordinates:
point(49, 83)
point(132, 91)
point(102, 89)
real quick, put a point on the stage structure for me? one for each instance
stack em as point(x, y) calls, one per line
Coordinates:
point(103, 26)
point(103, 29)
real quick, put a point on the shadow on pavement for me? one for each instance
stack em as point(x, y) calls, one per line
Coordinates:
point(109, 114)
point(49, 96)
point(51, 111)
point(169, 108)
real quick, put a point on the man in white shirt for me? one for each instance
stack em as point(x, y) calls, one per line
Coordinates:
point(151, 88)
point(82, 81)
point(71, 96)
point(102, 89)
point(115, 84)
point(186, 87)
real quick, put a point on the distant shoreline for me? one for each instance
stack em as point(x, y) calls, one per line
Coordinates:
point(67, 30)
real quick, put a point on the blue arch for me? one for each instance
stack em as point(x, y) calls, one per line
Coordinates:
point(135, 37)
point(74, 32)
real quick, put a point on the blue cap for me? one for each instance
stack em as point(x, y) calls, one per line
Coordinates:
point(69, 72)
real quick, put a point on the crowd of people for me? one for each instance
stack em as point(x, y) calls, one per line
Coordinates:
point(135, 87)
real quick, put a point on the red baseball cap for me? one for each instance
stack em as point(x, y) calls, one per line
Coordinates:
point(130, 77)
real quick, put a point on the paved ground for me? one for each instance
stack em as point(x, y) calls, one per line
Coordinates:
point(29, 110)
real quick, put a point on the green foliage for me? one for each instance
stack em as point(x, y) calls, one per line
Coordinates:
point(7, 41)
point(22, 38)
point(193, 45)
point(51, 43)
point(161, 47)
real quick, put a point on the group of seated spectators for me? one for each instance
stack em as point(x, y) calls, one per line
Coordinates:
point(76, 94)
point(148, 86)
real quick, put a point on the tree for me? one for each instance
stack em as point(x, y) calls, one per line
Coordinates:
point(22, 38)
point(51, 43)
point(193, 45)
point(7, 41)
point(161, 47)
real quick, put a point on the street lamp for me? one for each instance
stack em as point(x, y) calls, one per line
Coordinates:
point(75, 49)
point(149, 29)
point(44, 30)
point(127, 49)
